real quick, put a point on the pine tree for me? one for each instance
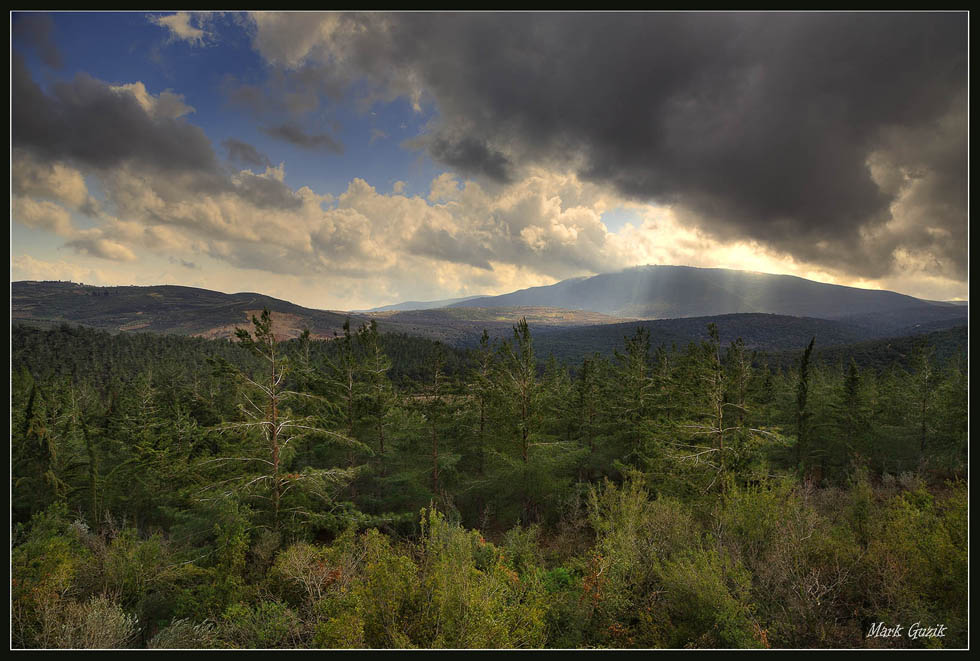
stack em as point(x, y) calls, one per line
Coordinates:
point(556, 401)
point(951, 405)
point(520, 398)
point(587, 401)
point(345, 373)
point(924, 382)
point(435, 408)
point(852, 414)
point(636, 392)
point(664, 384)
point(744, 440)
point(37, 457)
point(265, 407)
point(482, 387)
point(379, 394)
point(802, 412)
point(519, 370)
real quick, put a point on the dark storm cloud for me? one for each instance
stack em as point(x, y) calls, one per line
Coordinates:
point(471, 155)
point(759, 126)
point(36, 31)
point(294, 134)
point(87, 122)
point(242, 152)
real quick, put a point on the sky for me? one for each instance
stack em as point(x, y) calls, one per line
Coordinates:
point(350, 160)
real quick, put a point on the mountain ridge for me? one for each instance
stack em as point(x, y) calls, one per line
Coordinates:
point(566, 311)
point(663, 292)
point(206, 313)
point(162, 308)
point(408, 306)
point(759, 331)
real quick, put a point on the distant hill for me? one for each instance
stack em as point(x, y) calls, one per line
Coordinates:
point(665, 292)
point(910, 321)
point(464, 326)
point(420, 305)
point(779, 338)
point(769, 332)
point(947, 346)
point(567, 333)
point(205, 313)
point(161, 309)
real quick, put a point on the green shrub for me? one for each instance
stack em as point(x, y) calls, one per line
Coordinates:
point(708, 602)
point(44, 564)
point(566, 617)
point(634, 536)
point(499, 607)
point(386, 593)
point(184, 634)
point(303, 573)
point(343, 631)
point(559, 579)
point(267, 625)
point(98, 623)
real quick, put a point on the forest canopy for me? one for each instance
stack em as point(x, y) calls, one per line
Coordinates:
point(381, 490)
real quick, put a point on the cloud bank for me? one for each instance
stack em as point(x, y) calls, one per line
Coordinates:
point(836, 138)
point(830, 146)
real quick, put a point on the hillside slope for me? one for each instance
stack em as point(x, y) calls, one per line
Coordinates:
point(205, 313)
point(419, 305)
point(161, 309)
point(662, 292)
point(759, 332)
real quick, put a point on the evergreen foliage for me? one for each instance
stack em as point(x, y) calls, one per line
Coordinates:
point(377, 490)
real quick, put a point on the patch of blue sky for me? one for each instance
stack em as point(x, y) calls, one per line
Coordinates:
point(125, 47)
point(37, 243)
point(373, 148)
point(616, 219)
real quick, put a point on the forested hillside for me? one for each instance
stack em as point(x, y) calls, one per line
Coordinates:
point(758, 331)
point(196, 312)
point(662, 292)
point(945, 347)
point(161, 309)
point(380, 490)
